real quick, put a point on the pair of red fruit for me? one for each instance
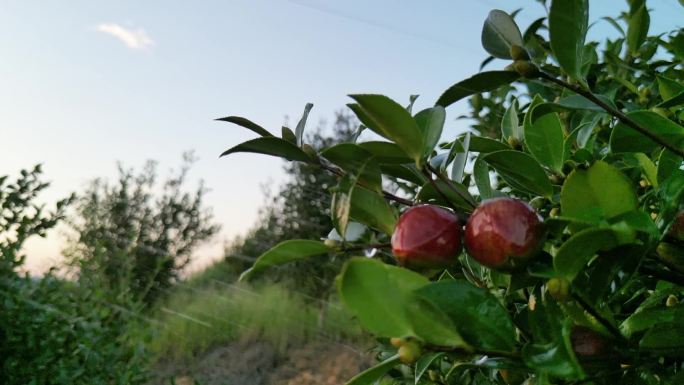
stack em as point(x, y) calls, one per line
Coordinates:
point(501, 233)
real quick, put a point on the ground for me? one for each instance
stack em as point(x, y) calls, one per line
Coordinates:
point(258, 363)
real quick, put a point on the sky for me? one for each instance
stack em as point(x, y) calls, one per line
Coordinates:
point(86, 84)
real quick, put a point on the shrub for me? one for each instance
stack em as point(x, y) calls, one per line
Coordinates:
point(54, 331)
point(591, 138)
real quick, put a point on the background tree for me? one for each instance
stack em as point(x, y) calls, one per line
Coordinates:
point(53, 331)
point(299, 209)
point(137, 235)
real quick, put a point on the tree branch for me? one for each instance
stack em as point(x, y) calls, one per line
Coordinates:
point(386, 194)
point(615, 112)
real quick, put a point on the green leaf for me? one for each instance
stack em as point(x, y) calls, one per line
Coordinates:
point(412, 100)
point(460, 158)
point(674, 101)
point(246, 123)
point(650, 171)
point(299, 130)
point(428, 193)
point(371, 375)
point(386, 152)
point(286, 252)
point(550, 351)
point(669, 88)
point(371, 209)
point(481, 82)
point(288, 135)
point(340, 205)
point(627, 139)
point(509, 124)
point(544, 140)
point(499, 33)
point(357, 161)
point(668, 163)
point(568, 24)
point(579, 102)
point(376, 293)
point(646, 319)
point(382, 297)
point(486, 145)
point(481, 176)
point(637, 27)
point(598, 193)
point(423, 364)
point(577, 251)
point(271, 146)
point(392, 121)
point(667, 339)
point(430, 122)
point(405, 172)
point(476, 313)
point(520, 171)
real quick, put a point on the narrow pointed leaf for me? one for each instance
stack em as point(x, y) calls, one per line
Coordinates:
point(286, 252)
point(544, 140)
point(627, 139)
point(637, 28)
point(271, 146)
point(299, 131)
point(509, 122)
point(520, 171)
point(482, 82)
point(431, 122)
point(568, 24)
point(460, 159)
point(246, 123)
point(371, 375)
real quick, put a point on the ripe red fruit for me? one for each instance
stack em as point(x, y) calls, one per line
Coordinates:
point(427, 236)
point(503, 233)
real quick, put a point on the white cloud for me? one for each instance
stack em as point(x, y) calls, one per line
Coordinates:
point(134, 39)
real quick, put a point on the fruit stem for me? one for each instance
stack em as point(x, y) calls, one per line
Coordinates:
point(613, 111)
point(468, 199)
point(388, 195)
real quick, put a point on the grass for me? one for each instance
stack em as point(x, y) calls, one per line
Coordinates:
point(196, 319)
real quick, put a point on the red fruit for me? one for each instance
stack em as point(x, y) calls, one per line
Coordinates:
point(427, 236)
point(503, 233)
point(587, 343)
point(677, 228)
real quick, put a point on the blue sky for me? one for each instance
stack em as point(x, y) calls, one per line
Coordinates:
point(77, 98)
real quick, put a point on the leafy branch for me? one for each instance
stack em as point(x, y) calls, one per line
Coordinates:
point(613, 111)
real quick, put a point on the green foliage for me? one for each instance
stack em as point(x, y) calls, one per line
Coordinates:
point(54, 331)
point(300, 209)
point(599, 156)
point(133, 240)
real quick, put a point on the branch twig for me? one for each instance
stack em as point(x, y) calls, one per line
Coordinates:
point(615, 112)
point(386, 194)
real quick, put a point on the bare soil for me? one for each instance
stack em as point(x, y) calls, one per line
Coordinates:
point(258, 363)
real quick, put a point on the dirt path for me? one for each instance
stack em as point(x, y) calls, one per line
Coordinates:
point(257, 363)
